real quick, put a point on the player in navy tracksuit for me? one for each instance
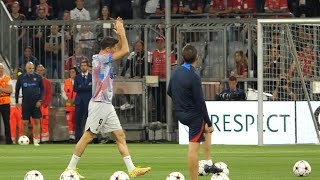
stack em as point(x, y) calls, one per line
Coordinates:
point(190, 109)
point(32, 91)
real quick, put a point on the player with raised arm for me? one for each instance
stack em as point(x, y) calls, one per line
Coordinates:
point(102, 115)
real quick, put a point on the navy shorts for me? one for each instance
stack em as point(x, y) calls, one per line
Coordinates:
point(30, 110)
point(195, 123)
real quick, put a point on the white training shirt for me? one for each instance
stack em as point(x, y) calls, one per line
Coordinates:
point(81, 15)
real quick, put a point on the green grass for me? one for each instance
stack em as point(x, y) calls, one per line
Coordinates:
point(100, 161)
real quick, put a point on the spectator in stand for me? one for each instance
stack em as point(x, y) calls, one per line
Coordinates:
point(283, 91)
point(15, 112)
point(276, 6)
point(75, 60)
point(232, 93)
point(241, 6)
point(86, 40)
point(259, 4)
point(135, 68)
point(104, 14)
point(27, 57)
point(121, 8)
point(8, 3)
point(80, 13)
point(272, 68)
point(65, 5)
point(16, 16)
point(47, 9)
point(306, 58)
point(308, 8)
point(39, 34)
point(186, 7)
point(53, 53)
point(159, 69)
point(67, 31)
point(218, 7)
point(26, 8)
point(241, 64)
point(69, 96)
point(46, 100)
point(154, 7)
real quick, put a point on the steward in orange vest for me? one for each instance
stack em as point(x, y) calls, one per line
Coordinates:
point(5, 90)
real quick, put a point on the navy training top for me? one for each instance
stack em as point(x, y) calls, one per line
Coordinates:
point(186, 92)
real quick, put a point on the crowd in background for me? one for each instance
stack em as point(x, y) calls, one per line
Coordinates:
point(81, 10)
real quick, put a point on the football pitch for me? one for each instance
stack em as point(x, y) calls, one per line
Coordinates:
point(101, 160)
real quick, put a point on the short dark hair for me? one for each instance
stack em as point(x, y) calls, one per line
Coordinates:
point(85, 62)
point(28, 47)
point(189, 54)
point(75, 69)
point(232, 78)
point(108, 42)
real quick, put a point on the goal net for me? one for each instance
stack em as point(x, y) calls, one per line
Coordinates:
point(288, 70)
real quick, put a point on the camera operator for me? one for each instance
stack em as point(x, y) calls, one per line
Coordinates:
point(232, 93)
point(282, 91)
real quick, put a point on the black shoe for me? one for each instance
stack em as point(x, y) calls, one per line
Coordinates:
point(212, 169)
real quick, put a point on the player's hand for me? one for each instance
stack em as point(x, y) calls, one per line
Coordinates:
point(18, 105)
point(210, 129)
point(118, 26)
point(38, 104)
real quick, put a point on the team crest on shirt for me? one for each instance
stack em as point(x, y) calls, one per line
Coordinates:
point(34, 79)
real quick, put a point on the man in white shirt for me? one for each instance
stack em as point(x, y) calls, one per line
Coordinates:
point(80, 13)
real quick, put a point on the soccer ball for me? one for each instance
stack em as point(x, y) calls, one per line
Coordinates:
point(175, 176)
point(23, 140)
point(219, 176)
point(33, 175)
point(69, 175)
point(201, 171)
point(119, 175)
point(302, 168)
point(223, 166)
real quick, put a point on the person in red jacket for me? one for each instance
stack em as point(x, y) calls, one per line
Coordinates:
point(46, 100)
point(70, 106)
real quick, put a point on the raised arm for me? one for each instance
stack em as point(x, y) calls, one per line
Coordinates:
point(123, 42)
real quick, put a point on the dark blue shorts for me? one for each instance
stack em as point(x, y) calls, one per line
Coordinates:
point(195, 123)
point(30, 110)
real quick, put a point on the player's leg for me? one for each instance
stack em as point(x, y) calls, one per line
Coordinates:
point(5, 111)
point(193, 158)
point(26, 114)
point(44, 124)
point(206, 146)
point(36, 115)
point(112, 124)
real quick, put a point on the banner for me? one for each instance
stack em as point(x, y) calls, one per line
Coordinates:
point(236, 123)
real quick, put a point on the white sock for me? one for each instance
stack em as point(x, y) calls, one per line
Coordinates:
point(127, 160)
point(74, 161)
point(209, 162)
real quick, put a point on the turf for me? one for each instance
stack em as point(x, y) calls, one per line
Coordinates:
point(100, 161)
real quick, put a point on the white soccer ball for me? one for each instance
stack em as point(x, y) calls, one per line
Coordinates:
point(223, 166)
point(23, 140)
point(175, 176)
point(119, 175)
point(302, 168)
point(33, 175)
point(69, 175)
point(219, 176)
point(201, 171)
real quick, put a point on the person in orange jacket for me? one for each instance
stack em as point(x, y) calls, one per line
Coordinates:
point(5, 91)
point(15, 112)
point(70, 106)
point(46, 100)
